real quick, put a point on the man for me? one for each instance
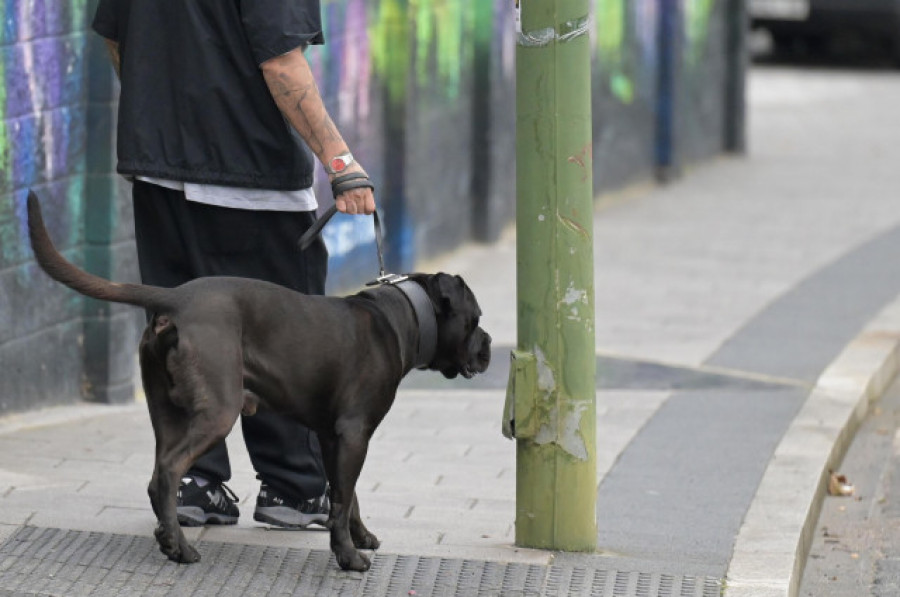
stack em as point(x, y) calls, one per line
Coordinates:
point(217, 116)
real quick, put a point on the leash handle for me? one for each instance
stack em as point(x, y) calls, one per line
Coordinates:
point(313, 231)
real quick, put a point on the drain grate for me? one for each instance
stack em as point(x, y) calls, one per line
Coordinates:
point(42, 562)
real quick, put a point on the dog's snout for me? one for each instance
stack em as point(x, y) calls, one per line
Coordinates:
point(485, 346)
point(484, 350)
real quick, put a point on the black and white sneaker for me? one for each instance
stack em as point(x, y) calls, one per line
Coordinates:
point(274, 509)
point(205, 502)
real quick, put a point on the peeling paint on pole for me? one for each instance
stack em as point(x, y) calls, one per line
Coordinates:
point(546, 382)
point(564, 431)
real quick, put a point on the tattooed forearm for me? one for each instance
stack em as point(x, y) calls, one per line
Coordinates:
point(294, 89)
point(319, 131)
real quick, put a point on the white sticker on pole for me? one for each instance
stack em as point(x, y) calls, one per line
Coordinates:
point(780, 10)
point(518, 16)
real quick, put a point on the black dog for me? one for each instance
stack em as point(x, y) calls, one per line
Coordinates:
point(216, 347)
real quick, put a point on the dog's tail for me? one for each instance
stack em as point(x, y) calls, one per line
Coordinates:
point(61, 270)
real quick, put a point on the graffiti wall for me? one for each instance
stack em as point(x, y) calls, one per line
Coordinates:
point(659, 88)
point(54, 346)
point(42, 141)
point(423, 91)
point(702, 81)
point(625, 56)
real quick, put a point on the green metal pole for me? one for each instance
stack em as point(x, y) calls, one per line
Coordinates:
point(551, 396)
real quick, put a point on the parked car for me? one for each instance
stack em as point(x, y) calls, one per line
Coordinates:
point(818, 22)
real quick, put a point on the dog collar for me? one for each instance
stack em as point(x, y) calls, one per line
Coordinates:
point(424, 311)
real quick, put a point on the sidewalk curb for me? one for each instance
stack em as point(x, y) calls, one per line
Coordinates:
point(774, 540)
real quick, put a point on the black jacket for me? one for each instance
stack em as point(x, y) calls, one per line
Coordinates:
point(194, 105)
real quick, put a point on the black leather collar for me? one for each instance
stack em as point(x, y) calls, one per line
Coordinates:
point(421, 304)
point(425, 317)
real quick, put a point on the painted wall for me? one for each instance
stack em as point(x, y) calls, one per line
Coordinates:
point(643, 119)
point(424, 92)
point(53, 344)
point(426, 97)
point(701, 94)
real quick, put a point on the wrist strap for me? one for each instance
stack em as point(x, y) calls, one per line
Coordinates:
point(347, 182)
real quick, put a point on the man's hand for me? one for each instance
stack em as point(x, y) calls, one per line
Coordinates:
point(355, 201)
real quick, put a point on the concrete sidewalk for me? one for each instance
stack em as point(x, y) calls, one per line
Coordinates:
point(746, 317)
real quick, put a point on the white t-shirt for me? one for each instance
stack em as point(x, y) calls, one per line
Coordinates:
point(240, 198)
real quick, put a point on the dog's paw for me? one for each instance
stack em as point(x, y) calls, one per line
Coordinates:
point(188, 555)
point(184, 554)
point(175, 548)
point(352, 560)
point(366, 541)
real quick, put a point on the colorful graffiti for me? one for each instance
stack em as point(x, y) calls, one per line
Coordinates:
point(402, 46)
point(393, 39)
point(443, 31)
point(41, 111)
point(385, 58)
point(381, 62)
point(43, 130)
point(626, 40)
point(404, 51)
point(400, 78)
point(625, 46)
point(697, 17)
point(343, 64)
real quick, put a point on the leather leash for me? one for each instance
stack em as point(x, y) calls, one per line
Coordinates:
point(313, 231)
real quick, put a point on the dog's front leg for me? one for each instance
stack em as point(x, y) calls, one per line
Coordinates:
point(344, 454)
point(362, 537)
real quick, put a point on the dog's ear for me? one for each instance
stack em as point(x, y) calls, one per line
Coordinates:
point(449, 288)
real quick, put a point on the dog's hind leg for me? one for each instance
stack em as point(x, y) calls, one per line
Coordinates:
point(156, 385)
point(193, 406)
point(172, 462)
point(190, 435)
